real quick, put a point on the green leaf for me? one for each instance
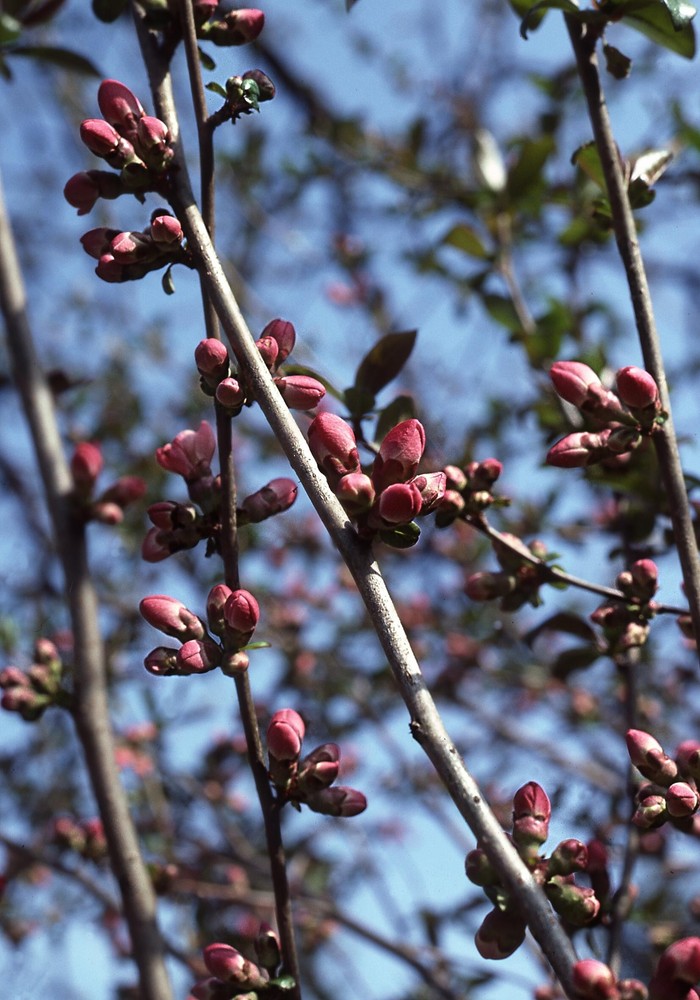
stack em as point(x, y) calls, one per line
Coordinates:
point(656, 20)
point(402, 537)
point(58, 56)
point(526, 172)
point(10, 29)
point(502, 310)
point(577, 658)
point(206, 60)
point(399, 409)
point(617, 63)
point(167, 282)
point(216, 88)
point(358, 401)
point(385, 360)
point(466, 239)
point(586, 158)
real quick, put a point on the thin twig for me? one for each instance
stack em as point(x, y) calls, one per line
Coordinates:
point(628, 246)
point(91, 709)
point(426, 724)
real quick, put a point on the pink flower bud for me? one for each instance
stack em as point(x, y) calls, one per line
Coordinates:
point(190, 453)
point(269, 349)
point(133, 248)
point(356, 492)
point(211, 358)
point(332, 443)
point(166, 229)
point(501, 933)
point(568, 857)
point(636, 388)
point(338, 801)
point(46, 652)
point(594, 980)
point(688, 758)
point(319, 769)
point(456, 478)
point(109, 269)
point(681, 800)
point(399, 503)
point(487, 586)
point(479, 869)
point(86, 465)
point(276, 497)
point(679, 963)
point(531, 814)
point(12, 677)
point(241, 612)
point(572, 379)
point(575, 451)
point(576, 904)
point(161, 661)
point(97, 242)
point(99, 137)
point(634, 989)
point(119, 106)
point(645, 575)
point(300, 392)
point(229, 966)
point(399, 454)
point(82, 190)
point(126, 490)
point(106, 513)
point(285, 734)
point(230, 393)
point(432, 489)
point(151, 142)
point(171, 617)
point(197, 656)
point(650, 812)
point(155, 546)
point(238, 27)
point(649, 758)
point(216, 601)
point(284, 334)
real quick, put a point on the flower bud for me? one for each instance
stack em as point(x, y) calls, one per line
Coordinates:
point(133, 248)
point(284, 335)
point(230, 393)
point(46, 652)
point(155, 546)
point(568, 857)
point(650, 812)
point(431, 487)
point(211, 358)
point(681, 800)
point(276, 497)
point(479, 869)
point(485, 586)
point(119, 106)
point(126, 490)
point(83, 189)
point(267, 948)
point(238, 27)
point(593, 980)
point(531, 814)
point(285, 734)
point(235, 664)
point(109, 269)
point(399, 503)
point(636, 388)
point(456, 478)
point(300, 392)
point(319, 769)
point(99, 137)
point(501, 933)
point(688, 758)
point(241, 615)
point(190, 453)
point(356, 493)
point(216, 602)
point(680, 963)
point(106, 513)
point(197, 656)
point(332, 443)
point(229, 966)
point(97, 242)
point(577, 904)
point(571, 380)
point(166, 229)
point(649, 758)
point(161, 661)
point(575, 451)
point(171, 617)
point(399, 454)
point(337, 801)
point(86, 465)
point(633, 989)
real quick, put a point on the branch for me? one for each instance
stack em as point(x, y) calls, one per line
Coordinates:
point(91, 712)
point(426, 724)
point(628, 247)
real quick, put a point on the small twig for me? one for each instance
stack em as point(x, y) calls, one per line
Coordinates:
point(91, 709)
point(628, 247)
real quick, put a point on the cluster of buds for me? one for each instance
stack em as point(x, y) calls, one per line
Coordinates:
point(308, 780)
point(468, 491)
point(503, 929)
point(625, 623)
point(677, 973)
point(523, 571)
point(130, 141)
point(127, 256)
point(384, 502)
point(178, 526)
point(86, 465)
point(275, 344)
point(231, 974)
point(30, 692)
point(621, 419)
point(222, 27)
point(86, 837)
point(670, 793)
point(232, 616)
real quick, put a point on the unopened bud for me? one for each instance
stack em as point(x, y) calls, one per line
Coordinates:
point(284, 335)
point(276, 497)
point(593, 980)
point(198, 656)
point(572, 379)
point(230, 393)
point(577, 904)
point(285, 734)
point(337, 801)
point(399, 503)
point(636, 388)
point(501, 933)
point(681, 800)
point(399, 454)
point(161, 661)
point(86, 465)
point(171, 617)
point(649, 758)
point(568, 857)
point(300, 392)
point(211, 358)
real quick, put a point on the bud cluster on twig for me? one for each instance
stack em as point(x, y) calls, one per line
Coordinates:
point(86, 465)
point(622, 420)
point(670, 793)
point(232, 616)
point(385, 501)
point(30, 692)
point(308, 780)
point(625, 623)
point(523, 571)
point(676, 973)
point(469, 491)
point(231, 974)
point(503, 929)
